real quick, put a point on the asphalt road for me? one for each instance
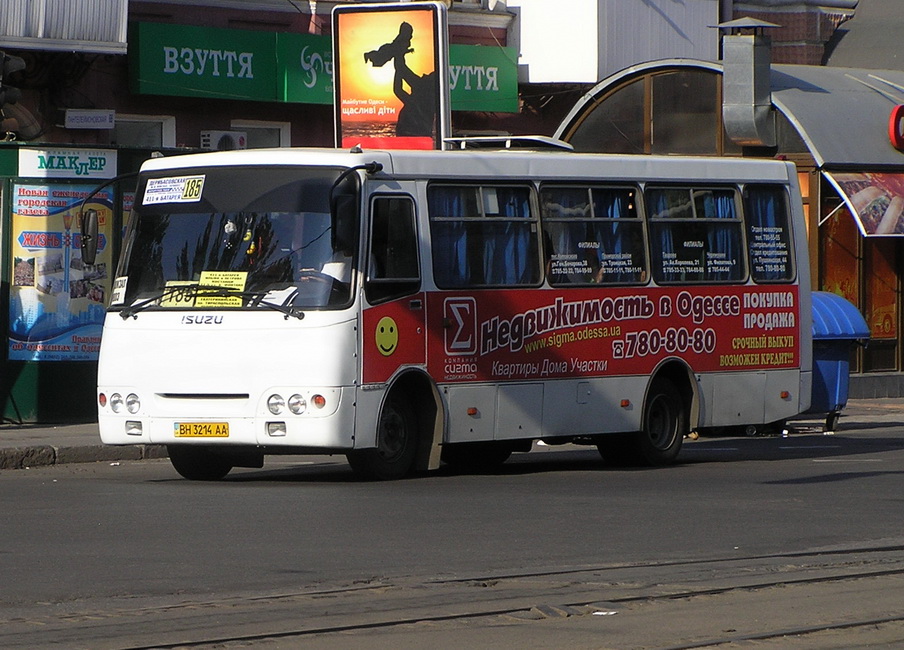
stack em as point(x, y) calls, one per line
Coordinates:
point(747, 542)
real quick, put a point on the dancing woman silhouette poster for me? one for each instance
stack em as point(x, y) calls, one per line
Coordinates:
point(391, 80)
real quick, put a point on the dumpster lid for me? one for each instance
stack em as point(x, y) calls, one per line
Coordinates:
point(836, 318)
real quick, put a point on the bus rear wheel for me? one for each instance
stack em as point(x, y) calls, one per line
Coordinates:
point(393, 457)
point(662, 431)
point(197, 463)
point(664, 424)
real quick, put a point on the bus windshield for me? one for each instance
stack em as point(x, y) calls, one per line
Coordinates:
point(249, 238)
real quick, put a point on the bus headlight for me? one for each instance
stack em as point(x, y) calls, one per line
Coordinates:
point(133, 404)
point(297, 404)
point(116, 403)
point(275, 404)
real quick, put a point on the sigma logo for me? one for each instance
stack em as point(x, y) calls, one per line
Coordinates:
point(195, 319)
point(460, 322)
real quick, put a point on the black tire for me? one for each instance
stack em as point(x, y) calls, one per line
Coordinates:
point(198, 463)
point(393, 457)
point(476, 456)
point(664, 424)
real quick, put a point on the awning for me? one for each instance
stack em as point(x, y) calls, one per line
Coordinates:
point(842, 114)
point(875, 199)
point(834, 318)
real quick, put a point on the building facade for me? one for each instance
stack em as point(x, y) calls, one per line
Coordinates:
point(108, 83)
point(94, 88)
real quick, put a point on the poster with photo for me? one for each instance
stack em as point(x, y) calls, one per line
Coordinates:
point(56, 305)
point(876, 199)
point(391, 76)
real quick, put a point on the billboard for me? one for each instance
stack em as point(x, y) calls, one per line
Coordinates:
point(56, 302)
point(391, 75)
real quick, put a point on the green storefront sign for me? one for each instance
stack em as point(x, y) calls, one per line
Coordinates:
point(209, 62)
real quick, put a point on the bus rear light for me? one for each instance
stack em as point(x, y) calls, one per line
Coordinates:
point(785, 394)
point(133, 404)
point(102, 400)
point(133, 428)
point(276, 429)
point(625, 403)
point(116, 402)
point(319, 401)
point(472, 411)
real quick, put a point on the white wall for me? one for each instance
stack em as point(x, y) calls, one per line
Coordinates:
point(584, 41)
point(558, 40)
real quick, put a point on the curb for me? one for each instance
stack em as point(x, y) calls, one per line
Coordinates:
point(45, 455)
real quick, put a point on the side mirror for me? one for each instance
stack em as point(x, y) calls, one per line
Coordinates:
point(89, 236)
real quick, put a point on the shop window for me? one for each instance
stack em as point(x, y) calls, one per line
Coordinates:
point(839, 263)
point(592, 235)
point(684, 115)
point(264, 135)
point(881, 303)
point(145, 131)
point(695, 235)
point(483, 236)
point(616, 124)
point(673, 112)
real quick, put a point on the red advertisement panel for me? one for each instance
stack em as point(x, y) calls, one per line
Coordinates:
point(503, 335)
point(393, 336)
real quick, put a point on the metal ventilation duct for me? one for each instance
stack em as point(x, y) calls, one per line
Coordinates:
point(746, 96)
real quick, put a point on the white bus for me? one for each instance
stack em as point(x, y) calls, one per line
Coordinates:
point(410, 308)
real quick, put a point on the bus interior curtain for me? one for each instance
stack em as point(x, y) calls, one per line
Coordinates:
point(723, 240)
point(659, 208)
point(450, 246)
point(763, 210)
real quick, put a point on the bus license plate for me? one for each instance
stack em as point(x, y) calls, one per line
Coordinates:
point(201, 429)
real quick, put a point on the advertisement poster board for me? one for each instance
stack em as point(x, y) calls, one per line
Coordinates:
point(391, 76)
point(529, 335)
point(876, 199)
point(56, 303)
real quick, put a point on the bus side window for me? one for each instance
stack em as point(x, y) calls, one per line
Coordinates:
point(593, 235)
point(392, 267)
point(768, 233)
point(483, 236)
point(695, 235)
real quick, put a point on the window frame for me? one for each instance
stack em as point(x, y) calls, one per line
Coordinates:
point(167, 128)
point(407, 285)
point(637, 220)
point(531, 220)
point(655, 223)
point(788, 227)
point(284, 128)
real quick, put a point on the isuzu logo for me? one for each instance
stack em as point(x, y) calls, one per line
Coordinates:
point(197, 319)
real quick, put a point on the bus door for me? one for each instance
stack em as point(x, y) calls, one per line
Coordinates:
point(394, 328)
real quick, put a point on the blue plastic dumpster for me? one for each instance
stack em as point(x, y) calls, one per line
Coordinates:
point(837, 326)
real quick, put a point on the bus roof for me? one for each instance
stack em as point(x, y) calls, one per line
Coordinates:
point(511, 164)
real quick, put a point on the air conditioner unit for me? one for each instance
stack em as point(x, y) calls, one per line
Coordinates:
point(223, 140)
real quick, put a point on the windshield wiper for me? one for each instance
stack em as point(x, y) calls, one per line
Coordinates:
point(192, 291)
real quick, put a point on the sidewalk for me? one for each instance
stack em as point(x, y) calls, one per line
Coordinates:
point(28, 445)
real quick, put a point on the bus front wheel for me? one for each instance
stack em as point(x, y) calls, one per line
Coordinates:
point(393, 457)
point(198, 464)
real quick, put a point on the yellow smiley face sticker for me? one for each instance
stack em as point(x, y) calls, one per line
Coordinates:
point(387, 336)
